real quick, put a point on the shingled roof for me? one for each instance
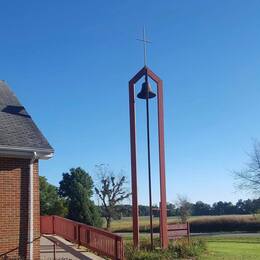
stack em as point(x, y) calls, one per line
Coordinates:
point(17, 129)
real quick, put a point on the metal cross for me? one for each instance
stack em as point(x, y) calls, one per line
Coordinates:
point(145, 41)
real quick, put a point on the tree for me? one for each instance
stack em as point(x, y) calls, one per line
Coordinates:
point(171, 209)
point(223, 208)
point(200, 208)
point(111, 191)
point(77, 188)
point(144, 210)
point(125, 210)
point(50, 201)
point(184, 208)
point(249, 178)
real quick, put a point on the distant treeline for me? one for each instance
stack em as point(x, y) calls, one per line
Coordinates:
point(201, 209)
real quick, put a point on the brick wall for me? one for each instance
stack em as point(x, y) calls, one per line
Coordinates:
point(14, 194)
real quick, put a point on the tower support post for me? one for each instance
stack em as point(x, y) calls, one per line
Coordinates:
point(135, 213)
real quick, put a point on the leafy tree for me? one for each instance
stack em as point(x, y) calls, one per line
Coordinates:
point(223, 208)
point(248, 206)
point(50, 201)
point(77, 188)
point(171, 209)
point(111, 191)
point(249, 178)
point(240, 207)
point(200, 208)
point(155, 211)
point(125, 210)
point(144, 210)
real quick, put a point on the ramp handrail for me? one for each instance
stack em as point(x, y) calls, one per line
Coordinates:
point(98, 240)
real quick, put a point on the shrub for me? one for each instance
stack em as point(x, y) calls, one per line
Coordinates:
point(176, 250)
point(184, 249)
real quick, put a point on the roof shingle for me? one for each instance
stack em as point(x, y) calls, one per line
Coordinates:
point(17, 128)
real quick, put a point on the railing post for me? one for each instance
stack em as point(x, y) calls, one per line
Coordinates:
point(116, 258)
point(78, 236)
point(53, 225)
point(75, 233)
point(188, 229)
point(122, 249)
point(54, 251)
point(88, 236)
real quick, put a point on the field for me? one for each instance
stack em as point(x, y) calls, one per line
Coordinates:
point(246, 222)
point(232, 246)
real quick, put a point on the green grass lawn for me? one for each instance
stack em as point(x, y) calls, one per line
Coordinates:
point(232, 248)
point(227, 247)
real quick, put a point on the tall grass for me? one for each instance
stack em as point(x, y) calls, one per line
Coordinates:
point(226, 224)
point(200, 224)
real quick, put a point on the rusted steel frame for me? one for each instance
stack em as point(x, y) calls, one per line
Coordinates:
point(163, 207)
point(163, 211)
point(135, 213)
point(149, 170)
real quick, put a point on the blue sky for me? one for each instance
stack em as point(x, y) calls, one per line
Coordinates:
point(69, 63)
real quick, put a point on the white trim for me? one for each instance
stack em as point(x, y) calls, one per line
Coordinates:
point(25, 152)
point(31, 200)
point(24, 148)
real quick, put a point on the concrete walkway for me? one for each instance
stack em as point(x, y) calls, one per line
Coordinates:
point(64, 250)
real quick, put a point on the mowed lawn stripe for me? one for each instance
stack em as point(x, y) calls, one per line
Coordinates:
point(232, 248)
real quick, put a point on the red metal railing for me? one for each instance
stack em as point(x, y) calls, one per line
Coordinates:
point(99, 240)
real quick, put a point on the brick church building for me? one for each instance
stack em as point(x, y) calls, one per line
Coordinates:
point(22, 145)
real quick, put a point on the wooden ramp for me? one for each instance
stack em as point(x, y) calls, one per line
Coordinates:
point(63, 249)
point(97, 240)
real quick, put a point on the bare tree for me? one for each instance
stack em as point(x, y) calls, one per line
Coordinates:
point(249, 178)
point(111, 191)
point(184, 208)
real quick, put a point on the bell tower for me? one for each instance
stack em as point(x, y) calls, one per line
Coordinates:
point(146, 93)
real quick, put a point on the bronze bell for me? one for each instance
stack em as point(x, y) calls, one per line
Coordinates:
point(146, 91)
